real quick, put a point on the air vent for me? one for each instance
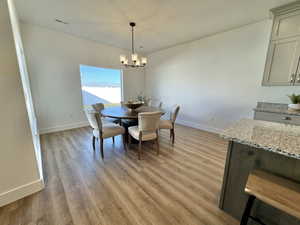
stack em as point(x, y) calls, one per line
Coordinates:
point(61, 21)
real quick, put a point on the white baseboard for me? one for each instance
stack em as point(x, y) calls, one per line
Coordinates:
point(85, 123)
point(21, 192)
point(199, 126)
point(63, 127)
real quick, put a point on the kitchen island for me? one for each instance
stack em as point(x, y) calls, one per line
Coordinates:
point(255, 144)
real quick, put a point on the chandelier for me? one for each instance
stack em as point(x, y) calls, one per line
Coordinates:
point(135, 61)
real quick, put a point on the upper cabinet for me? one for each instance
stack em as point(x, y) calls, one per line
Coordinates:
point(282, 62)
point(286, 25)
point(283, 59)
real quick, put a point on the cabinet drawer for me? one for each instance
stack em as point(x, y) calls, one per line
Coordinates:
point(277, 117)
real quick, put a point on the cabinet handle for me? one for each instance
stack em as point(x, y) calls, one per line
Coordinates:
point(298, 79)
point(292, 78)
point(286, 118)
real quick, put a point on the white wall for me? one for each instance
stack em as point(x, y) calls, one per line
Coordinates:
point(217, 79)
point(19, 174)
point(53, 60)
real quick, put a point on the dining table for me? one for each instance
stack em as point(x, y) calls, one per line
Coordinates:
point(128, 117)
point(124, 113)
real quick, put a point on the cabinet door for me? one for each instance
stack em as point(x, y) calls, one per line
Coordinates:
point(297, 74)
point(282, 62)
point(287, 25)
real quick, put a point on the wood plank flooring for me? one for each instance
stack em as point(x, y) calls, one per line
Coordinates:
point(181, 186)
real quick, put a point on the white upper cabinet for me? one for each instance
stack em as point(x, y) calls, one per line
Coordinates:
point(286, 25)
point(282, 65)
point(283, 58)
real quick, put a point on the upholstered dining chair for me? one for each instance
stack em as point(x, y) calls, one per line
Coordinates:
point(146, 130)
point(170, 123)
point(155, 103)
point(99, 107)
point(101, 130)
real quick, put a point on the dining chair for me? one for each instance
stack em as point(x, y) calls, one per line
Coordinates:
point(147, 129)
point(170, 123)
point(99, 107)
point(102, 131)
point(155, 103)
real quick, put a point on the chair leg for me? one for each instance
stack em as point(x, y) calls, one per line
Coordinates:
point(113, 139)
point(124, 142)
point(129, 139)
point(247, 211)
point(101, 148)
point(157, 146)
point(94, 139)
point(173, 136)
point(140, 149)
point(157, 142)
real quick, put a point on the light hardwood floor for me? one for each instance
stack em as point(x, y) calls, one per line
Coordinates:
point(181, 186)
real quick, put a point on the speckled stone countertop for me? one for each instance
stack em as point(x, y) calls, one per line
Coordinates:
point(275, 108)
point(275, 137)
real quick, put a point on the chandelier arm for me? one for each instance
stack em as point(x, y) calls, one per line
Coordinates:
point(134, 66)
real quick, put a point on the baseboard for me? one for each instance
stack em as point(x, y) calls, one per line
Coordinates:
point(21, 192)
point(199, 126)
point(63, 127)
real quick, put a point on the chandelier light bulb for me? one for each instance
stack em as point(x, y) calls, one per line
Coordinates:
point(134, 57)
point(138, 62)
point(122, 58)
point(144, 60)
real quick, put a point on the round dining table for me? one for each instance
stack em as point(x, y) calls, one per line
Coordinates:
point(128, 117)
point(122, 112)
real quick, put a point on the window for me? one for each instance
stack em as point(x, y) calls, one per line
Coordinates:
point(100, 85)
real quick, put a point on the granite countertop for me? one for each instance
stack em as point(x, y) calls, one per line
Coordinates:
point(275, 137)
point(275, 108)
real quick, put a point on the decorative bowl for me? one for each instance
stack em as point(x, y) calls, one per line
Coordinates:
point(133, 105)
point(295, 107)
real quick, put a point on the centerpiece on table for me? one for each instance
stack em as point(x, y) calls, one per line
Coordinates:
point(143, 98)
point(295, 99)
point(133, 105)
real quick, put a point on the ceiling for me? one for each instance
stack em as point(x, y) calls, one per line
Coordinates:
point(160, 23)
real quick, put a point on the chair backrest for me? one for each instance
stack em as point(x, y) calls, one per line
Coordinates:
point(174, 113)
point(94, 118)
point(155, 103)
point(160, 105)
point(149, 121)
point(98, 107)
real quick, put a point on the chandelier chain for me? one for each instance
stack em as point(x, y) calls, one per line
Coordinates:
point(132, 39)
